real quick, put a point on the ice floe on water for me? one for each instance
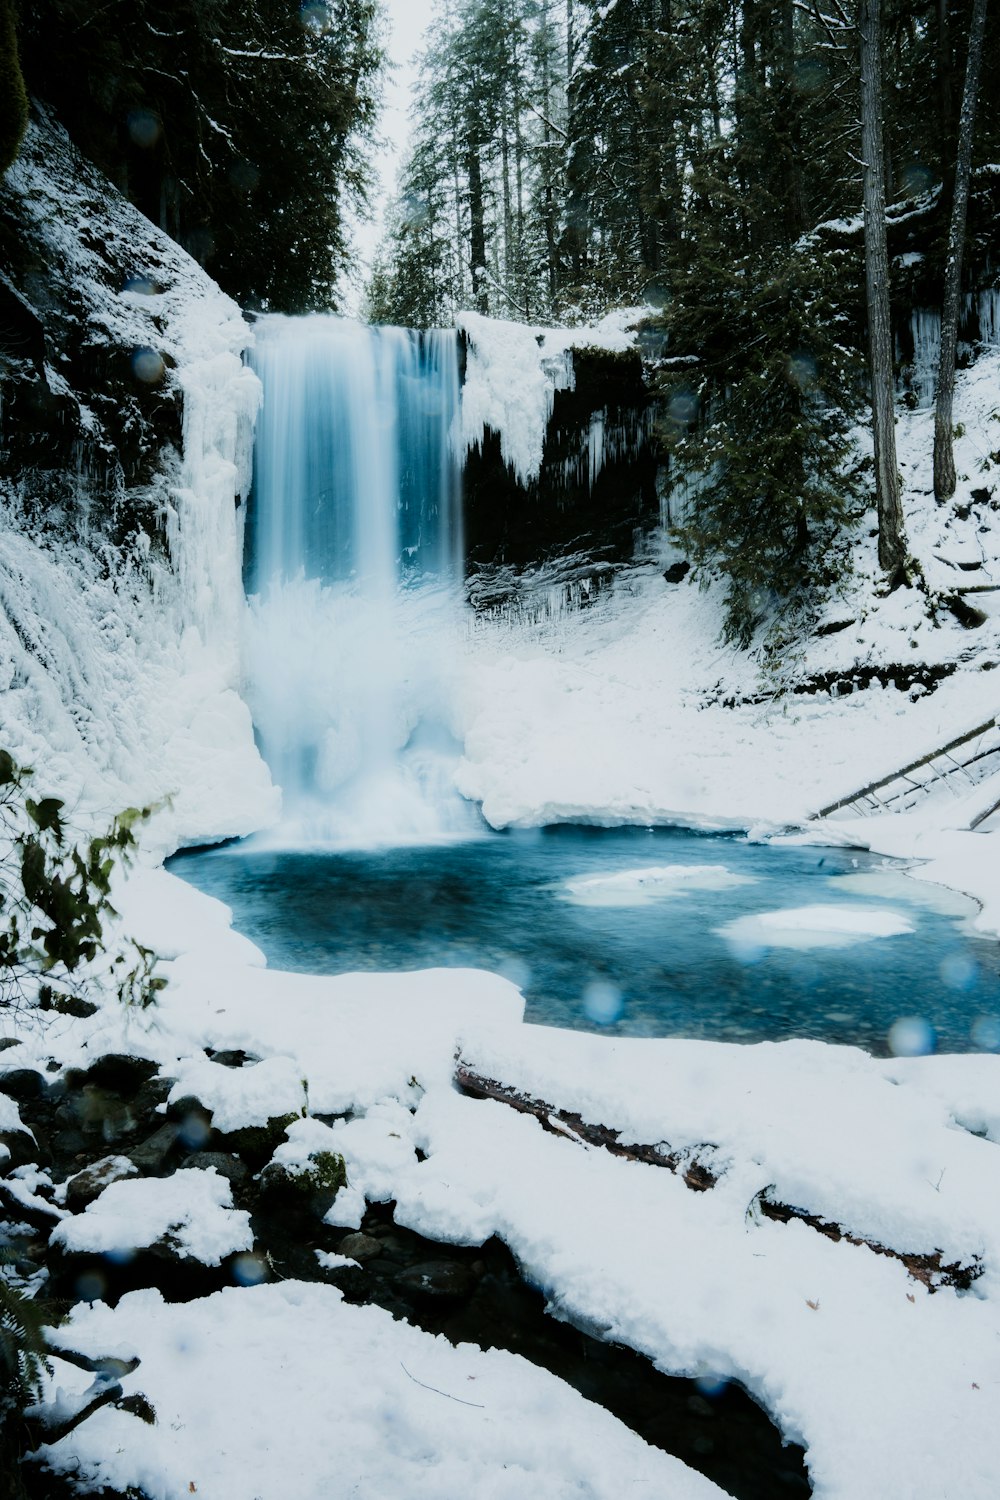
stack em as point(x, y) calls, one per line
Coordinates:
point(752, 935)
point(899, 885)
point(651, 883)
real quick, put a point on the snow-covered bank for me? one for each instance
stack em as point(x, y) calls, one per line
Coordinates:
point(884, 1382)
point(119, 659)
point(632, 711)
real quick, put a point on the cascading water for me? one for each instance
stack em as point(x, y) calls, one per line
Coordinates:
point(354, 571)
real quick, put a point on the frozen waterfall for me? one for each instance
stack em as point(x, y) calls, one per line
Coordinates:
point(354, 573)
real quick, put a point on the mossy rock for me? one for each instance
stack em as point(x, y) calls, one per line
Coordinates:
point(312, 1187)
point(256, 1144)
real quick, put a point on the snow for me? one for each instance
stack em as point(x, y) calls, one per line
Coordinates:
point(120, 669)
point(849, 1354)
point(512, 375)
point(364, 1406)
point(617, 715)
point(192, 1212)
point(810, 927)
point(657, 882)
point(238, 1097)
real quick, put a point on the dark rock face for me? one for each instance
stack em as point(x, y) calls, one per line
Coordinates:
point(576, 504)
point(82, 415)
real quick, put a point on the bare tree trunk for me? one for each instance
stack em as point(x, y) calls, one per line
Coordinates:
point(477, 231)
point(946, 106)
point(891, 531)
point(944, 451)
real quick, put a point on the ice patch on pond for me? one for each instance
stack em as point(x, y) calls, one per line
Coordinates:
point(810, 927)
point(653, 883)
point(897, 885)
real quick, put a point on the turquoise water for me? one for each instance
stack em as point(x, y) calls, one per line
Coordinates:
point(682, 951)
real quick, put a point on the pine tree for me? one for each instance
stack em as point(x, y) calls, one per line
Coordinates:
point(13, 98)
point(944, 452)
point(236, 125)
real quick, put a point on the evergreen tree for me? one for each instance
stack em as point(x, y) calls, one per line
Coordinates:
point(236, 125)
point(13, 98)
point(944, 452)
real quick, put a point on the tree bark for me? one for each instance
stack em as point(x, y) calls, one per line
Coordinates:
point(477, 231)
point(891, 530)
point(929, 1268)
point(944, 450)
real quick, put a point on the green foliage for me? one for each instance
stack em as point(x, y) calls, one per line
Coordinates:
point(762, 380)
point(22, 1344)
point(55, 898)
point(13, 98)
point(238, 126)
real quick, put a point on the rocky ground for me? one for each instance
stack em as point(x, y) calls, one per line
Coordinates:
point(112, 1124)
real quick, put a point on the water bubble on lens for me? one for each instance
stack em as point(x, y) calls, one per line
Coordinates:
point(120, 1255)
point(144, 128)
point(90, 1286)
point(958, 971)
point(603, 1002)
point(683, 407)
point(711, 1386)
point(917, 179)
point(147, 366)
point(249, 1269)
point(911, 1036)
point(802, 370)
point(986, 1033)
point(194, 1132)
point(414, 211)
point(314, 15)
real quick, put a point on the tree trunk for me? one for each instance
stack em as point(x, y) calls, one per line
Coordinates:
point(946, 107)
point(477, 231)
point(944, 451)
point(891, 532)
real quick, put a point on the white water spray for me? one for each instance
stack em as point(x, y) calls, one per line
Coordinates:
point(355, 567)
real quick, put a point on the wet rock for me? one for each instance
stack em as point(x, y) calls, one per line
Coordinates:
point(232, 1057)
point(965, 613)
point(91, 1182)
point(359, 1247)
point(22, 1148)
point(443, 1279)
point(150, 1096)
point(122, 1074)
point(151, 1155)
point(677, 572)
point(23, 1084)
point(227, 1166)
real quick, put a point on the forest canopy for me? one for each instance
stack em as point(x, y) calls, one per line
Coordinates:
point(238, 126)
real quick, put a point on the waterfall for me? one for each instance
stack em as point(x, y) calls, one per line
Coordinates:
point(354, 571)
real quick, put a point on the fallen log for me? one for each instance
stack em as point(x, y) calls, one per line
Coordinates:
point(927, 1268)
point(930, 1270)
point(563, 1122)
